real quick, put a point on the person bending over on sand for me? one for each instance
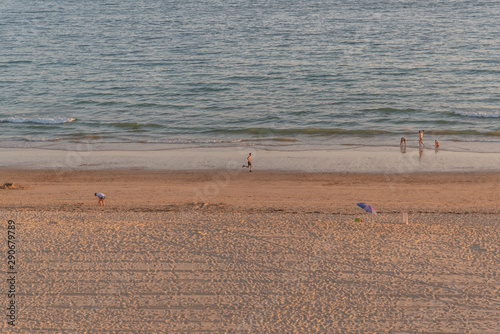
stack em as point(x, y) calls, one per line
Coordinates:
point(403, 141)
point(101, 197)
point(421, 139)
point(436, 143)
point(249, 159)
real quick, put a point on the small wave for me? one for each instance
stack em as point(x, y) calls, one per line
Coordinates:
point(463, 133)
point(144, 105)
point(42, 140)
point(391, 110)
point(306, 131)
point(136, 126)
point(85, 102)
point(38, 120)
point(282, 139)
point(208, 89)
point(478, 114)
point(83, 137)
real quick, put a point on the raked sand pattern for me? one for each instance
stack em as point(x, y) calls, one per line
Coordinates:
point(200, 270)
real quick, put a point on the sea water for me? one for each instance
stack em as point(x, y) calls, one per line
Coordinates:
point(273, 74)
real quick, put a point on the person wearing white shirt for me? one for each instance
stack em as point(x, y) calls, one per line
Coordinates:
point(101, 197)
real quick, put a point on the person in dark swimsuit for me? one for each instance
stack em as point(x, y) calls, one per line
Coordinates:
point(249, 159)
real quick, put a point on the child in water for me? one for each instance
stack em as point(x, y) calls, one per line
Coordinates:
point(403, 141)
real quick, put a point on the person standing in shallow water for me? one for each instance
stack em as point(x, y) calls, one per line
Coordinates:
point(249, 159)
point(421, 139)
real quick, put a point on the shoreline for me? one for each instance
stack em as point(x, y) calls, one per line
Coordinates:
point(358, 159)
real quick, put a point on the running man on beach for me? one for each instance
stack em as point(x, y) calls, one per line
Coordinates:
point(421, 139)
point(101, 197)
point(249, 159)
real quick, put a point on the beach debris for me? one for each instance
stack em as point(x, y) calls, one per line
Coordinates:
point(10, 185)
point(199, 205)
point(367, 207)
point(358, 220)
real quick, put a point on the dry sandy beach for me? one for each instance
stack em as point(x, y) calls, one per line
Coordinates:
point(262, 252)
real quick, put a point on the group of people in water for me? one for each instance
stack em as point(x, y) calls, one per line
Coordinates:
point(420, 143)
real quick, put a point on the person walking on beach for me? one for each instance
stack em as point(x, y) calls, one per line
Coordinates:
point(249, 159)
point(421, 139)
point(101, 197)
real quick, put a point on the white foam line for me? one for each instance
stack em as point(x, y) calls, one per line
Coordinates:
point(477, 114)
point(38, 120)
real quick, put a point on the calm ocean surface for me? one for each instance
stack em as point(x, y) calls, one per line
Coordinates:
point(277, 74)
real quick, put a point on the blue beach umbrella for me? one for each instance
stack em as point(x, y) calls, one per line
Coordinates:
point(367, 207)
